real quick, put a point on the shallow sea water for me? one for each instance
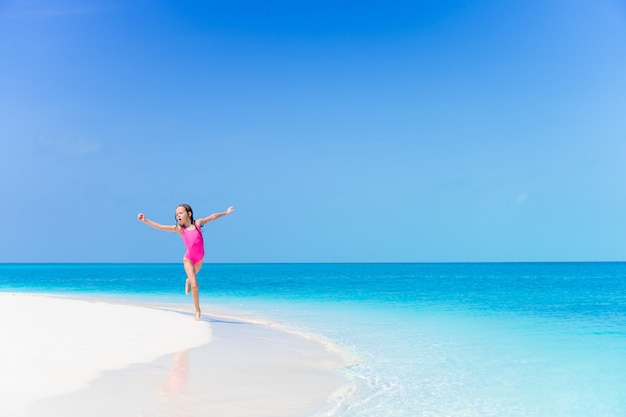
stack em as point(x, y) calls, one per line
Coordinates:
point(511, 339)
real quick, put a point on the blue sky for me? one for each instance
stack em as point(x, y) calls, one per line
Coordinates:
point(371, 131)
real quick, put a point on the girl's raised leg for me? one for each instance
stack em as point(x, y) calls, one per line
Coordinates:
point(192, 281)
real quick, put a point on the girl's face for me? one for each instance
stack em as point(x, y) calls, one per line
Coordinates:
point(182, 215)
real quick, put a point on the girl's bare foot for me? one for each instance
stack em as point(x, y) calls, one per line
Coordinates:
point(198, 315)
point(187, 287)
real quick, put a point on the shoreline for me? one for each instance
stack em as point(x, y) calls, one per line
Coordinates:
point(230, 366)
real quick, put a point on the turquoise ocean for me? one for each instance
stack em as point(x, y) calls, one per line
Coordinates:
point(492, 339)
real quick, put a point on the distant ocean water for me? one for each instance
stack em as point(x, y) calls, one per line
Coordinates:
point(509, 339)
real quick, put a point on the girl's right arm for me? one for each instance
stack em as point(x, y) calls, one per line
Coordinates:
point(142, 218)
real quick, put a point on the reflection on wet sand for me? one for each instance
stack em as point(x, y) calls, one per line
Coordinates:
point(175, 385)
point(247, 370)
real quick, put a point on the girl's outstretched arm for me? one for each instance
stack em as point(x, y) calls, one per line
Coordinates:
point(214, 216)
point(142, 218)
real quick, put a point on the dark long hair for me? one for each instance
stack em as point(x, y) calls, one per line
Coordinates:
point(188, 209)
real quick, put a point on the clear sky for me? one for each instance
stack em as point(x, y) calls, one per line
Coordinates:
point(341, 131)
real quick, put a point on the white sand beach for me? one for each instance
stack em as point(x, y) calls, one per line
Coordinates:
point(63, 357)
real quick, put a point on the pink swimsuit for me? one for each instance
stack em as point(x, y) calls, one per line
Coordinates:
point(194, 243)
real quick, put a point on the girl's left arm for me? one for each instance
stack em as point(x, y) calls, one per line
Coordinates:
point(214, 216)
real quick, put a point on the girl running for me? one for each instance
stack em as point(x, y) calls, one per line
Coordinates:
point(189, 229)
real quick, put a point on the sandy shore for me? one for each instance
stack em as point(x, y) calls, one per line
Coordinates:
point(61, 357)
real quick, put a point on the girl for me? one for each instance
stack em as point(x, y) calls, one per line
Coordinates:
point(192, 237)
